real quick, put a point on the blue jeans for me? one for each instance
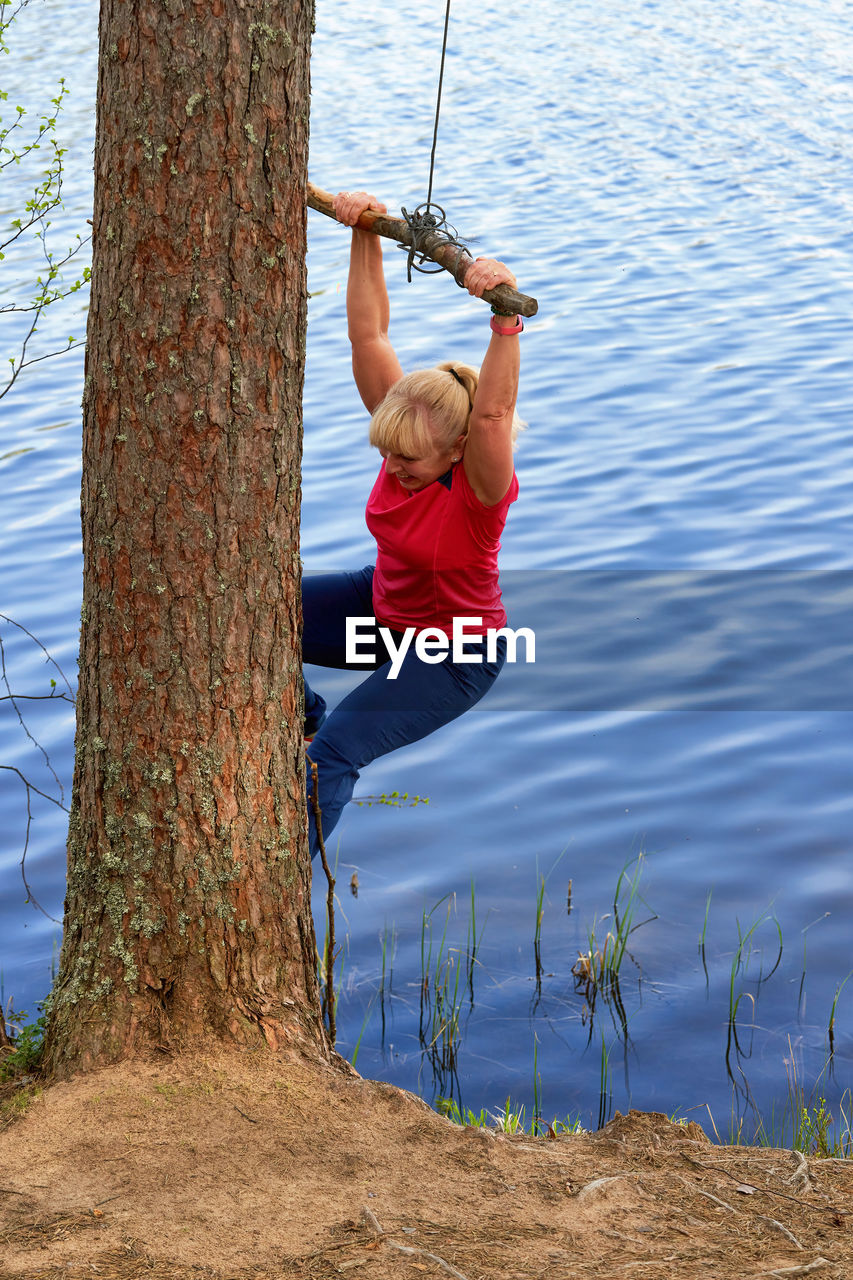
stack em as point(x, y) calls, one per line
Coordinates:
point(381, 714)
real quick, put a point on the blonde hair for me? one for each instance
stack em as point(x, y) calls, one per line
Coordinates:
point(427, 410)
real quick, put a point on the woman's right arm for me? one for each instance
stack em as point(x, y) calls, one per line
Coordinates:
point(374, 362)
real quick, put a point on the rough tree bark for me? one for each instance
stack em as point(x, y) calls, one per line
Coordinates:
point(188, 911)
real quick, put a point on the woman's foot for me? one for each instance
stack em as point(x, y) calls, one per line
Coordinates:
point(312, 725)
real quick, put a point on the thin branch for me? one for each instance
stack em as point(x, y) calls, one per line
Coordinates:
point(330, 907)
point(11, 696)
point(16, 368)
point(38, 213)
point(32, 787)
point(29, 787)
point(55, 265)
point(16, 156)
point(12, 623)
point(7, 22)
point(37, 697)
point(49, 355)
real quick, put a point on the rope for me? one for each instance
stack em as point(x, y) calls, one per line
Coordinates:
point(430, 218)
point(438, 104)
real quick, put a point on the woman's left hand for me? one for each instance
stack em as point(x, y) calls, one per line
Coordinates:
point(487, 273)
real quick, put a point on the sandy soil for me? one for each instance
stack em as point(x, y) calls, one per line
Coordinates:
point(244, 1165)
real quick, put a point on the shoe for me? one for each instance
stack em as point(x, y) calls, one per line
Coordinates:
point(312, 725)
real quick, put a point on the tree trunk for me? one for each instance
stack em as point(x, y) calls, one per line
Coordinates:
point(188, 906)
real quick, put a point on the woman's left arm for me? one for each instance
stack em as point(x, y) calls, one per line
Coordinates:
point(488, 458)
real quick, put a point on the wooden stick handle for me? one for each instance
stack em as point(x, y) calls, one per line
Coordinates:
point(451, 257)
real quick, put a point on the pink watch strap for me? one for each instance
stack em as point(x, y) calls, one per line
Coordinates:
point(503, 330)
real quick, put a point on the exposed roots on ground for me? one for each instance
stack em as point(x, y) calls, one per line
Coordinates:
point(244, 1166)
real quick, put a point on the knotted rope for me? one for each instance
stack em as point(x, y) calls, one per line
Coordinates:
point(428, 219)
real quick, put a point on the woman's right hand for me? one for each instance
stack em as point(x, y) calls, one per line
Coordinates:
point(350, 205)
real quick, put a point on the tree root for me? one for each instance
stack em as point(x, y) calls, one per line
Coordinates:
point(370, 1220)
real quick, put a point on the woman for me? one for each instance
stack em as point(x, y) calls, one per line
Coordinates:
point(437, 511)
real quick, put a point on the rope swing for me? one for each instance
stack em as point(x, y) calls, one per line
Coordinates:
point(426, 235)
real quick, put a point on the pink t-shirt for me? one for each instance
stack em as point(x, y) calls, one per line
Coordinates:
point(437, 553)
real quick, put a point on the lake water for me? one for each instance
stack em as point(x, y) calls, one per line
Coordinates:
point(674, 183)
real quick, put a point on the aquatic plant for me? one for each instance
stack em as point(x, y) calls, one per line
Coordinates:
point(439, 1031)
point(391, 800)
point(597, 969)
point(510, 1119)
point(541, 880)
point(742, 956)
point(831, 1028)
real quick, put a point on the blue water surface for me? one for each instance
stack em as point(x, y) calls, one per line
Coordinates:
point(673, 183)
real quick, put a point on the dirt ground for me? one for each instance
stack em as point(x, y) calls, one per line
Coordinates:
point(243, 1165)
